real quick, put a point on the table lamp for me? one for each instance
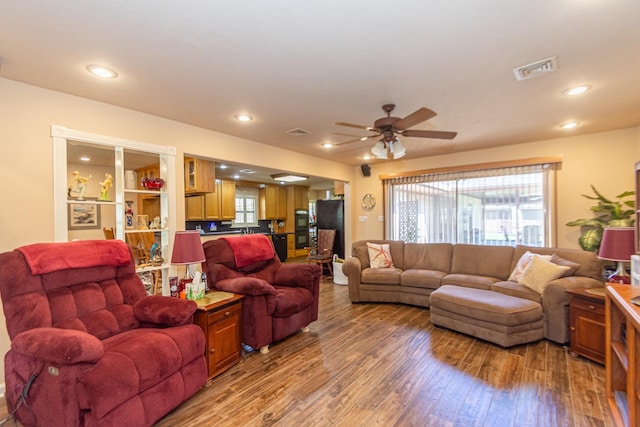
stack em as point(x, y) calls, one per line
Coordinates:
point(618, 244)
point(187, 250)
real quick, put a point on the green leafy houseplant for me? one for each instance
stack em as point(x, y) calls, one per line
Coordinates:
point(609, 213)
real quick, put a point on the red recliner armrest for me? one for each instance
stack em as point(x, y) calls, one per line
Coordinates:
point(246, 286)
point(165, 311)
point(64, 346)
point(298, 275)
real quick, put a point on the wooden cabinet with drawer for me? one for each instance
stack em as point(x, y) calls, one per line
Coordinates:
point(587, 323)
point(221, 322)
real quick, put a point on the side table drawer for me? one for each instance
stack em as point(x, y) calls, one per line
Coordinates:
point(224, 314)
point(586, 305)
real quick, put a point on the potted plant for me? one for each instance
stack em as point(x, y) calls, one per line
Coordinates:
point(609, 213)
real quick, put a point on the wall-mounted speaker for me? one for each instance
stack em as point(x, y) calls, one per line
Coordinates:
point(366, 169)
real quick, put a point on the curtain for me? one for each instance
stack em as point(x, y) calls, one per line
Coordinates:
point(498, 206)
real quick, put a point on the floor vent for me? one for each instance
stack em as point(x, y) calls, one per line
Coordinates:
point(535, 69)
point(298, 132)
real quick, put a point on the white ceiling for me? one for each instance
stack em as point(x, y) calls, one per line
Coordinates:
point(307, 64)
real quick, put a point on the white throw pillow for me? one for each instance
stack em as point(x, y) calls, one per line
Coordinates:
point(379, 255)
point(523, 263)
point(540, 272)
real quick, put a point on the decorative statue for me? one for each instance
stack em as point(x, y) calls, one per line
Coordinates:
point(155, 224)
point(104, 187)
point(80, 184)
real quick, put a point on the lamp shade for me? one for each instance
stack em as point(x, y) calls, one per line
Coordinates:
point(187, 248)
point(617, 244)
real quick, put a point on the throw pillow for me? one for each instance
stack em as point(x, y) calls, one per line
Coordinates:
point(523, 263)
point(379, 255)
point(540, 272)
point(573, 266)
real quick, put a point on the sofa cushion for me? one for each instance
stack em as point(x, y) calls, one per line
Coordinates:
point(540, 272)
point(473, 260)
point(433, 256)
point(360, 251)
point(588, 263)
point(379, 255)
point(486, 305)
point(523, 263)
point(469, 281)
point(573, 266)
point(381, 276)
point(417, 278)
point(516, 290)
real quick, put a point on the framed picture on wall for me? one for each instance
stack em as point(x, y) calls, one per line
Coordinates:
point(84, 216)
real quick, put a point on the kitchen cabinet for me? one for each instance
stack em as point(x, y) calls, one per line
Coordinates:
point(221, 204)
point(297, 199)
point(194, 208)
point(291, 245)
point(273, 202)
point(199, 175)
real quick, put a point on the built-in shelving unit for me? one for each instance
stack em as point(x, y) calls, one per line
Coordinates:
point(126, 155)
point(623, 354)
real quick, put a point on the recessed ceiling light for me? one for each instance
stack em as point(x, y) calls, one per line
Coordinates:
point(569, 125)
point(102, 71)
point(85, 159)
point(222, 166)
point(236, 176)
point(366, 157)
point(327, 145)
point(243, 117)
point(578, 90)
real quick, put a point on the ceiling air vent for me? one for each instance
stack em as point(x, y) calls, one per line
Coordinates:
point(535, 69)
point(298, 132)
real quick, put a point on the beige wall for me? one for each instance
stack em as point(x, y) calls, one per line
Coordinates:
point(605, 160)
point(27, 112)
point(26, 165)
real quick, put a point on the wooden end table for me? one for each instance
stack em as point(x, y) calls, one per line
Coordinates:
point(221, 322)
point(587, 323)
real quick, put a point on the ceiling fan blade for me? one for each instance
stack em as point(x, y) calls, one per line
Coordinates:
point(351, 125)
point(418, 116)
point(437, 134)
point(362, 138)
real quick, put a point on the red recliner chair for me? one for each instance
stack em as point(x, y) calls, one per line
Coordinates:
point(88, 346)
point(280, 299)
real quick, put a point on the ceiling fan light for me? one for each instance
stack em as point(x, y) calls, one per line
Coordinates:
point(397, 149)
point(379, 150)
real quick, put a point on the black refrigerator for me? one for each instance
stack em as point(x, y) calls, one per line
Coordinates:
point(330, 215)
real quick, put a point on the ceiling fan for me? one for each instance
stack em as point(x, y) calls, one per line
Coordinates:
point(388, 128)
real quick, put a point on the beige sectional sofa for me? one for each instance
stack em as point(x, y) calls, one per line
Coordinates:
point(419, 270)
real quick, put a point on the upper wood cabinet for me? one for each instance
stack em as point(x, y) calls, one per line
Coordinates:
point(199, 175)
point(221, 205)
point(194, 208)
point(273, 202)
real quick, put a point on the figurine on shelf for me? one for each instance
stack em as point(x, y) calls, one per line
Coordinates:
point(155, 224)
point(155, 255)
point(128, 212)
point(78, 185)
point(104, 187)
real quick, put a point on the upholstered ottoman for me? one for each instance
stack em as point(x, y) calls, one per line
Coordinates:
point(501, 319)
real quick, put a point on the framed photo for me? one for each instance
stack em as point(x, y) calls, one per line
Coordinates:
point(84, 216)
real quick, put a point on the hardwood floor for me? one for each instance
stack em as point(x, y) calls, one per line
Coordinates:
point(385, 365)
